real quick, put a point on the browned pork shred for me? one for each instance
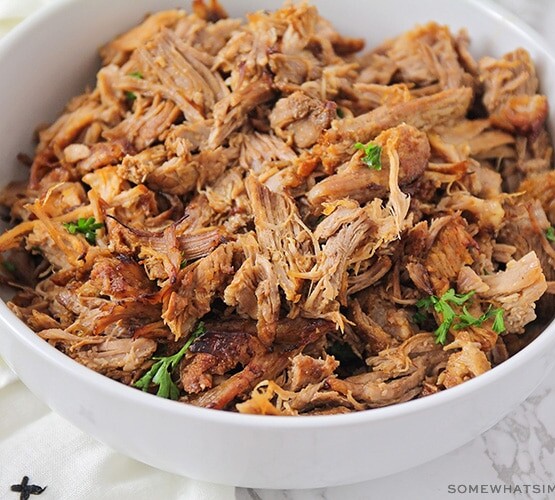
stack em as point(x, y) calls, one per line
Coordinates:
point(219, 156)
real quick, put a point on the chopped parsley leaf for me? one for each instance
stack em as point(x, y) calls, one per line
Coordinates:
point(372, 154)
point(85, 226)
point(160, 373)
point(449, 318)
point(498, 322)
point(137, 74)
point(550, 233)
point(466, 319)
point(455, 298)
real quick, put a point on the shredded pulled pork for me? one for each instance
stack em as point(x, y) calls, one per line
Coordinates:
point(261, 210)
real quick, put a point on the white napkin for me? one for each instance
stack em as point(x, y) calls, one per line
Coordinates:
point(37, 443)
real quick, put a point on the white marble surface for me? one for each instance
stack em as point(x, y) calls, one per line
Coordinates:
point(518, 451)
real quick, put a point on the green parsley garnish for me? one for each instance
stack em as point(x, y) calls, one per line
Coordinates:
point(137, 74)
point(340, 113)
point(131, 96)
point(550, 233)
point(442, 306)
point(372, 154)
point(9, 266)
point(456, 320)
point(160, 373)
point(84, 226)
point(455, 298)
point(183, 264)
point(466, 319)
point(498, 322)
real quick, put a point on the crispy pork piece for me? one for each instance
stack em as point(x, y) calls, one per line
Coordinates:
point(306, 370)
point(428, 56)
point(468, 362)
point(399, 374)
point(329, 276)
point(525, 228)
point(510, 94)
point(424, 113)
point(119, 49)
point(254, 290)
point(292, 337)
point(215, 353)
point(283, 237)
point(448, 253)
point(516, 290)
point(197, 286)
point(301, 119)
point(541, 187)
point(181, 74)
point(361, 183)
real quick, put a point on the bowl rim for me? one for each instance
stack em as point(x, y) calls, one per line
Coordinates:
point(137, 398)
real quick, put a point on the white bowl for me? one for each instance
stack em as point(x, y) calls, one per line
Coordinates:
point(48, 59)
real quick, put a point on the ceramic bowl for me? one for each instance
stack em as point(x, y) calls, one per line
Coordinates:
point(48, 59)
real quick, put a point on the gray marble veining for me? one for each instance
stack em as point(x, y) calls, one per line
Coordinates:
point(522, 446)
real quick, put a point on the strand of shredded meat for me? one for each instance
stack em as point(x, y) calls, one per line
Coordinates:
point(269, 184)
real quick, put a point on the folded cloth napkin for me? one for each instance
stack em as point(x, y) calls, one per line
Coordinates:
point(37, 443)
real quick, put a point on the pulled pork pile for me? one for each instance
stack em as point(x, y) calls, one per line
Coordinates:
point(252, 216)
